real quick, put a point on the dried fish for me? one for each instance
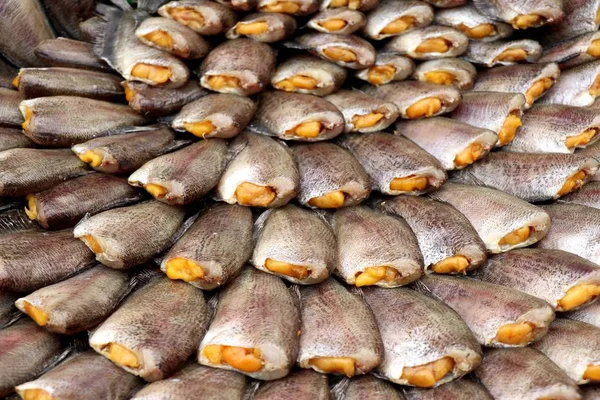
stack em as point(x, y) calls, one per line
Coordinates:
point(363, 113)
point(360, 5)
point(239, 5)
point(172, 37)
point(430, 43)
point(577, 86)
point(7, 74)
point(203, 16)
point(503, 52)
point(159, 101)
point(447, 3)
point(340, 21)
point(8, 311)
point(472, 23)
point(308, 74)
point(9, 107)
point(523, 14)
point(92, 28)
point(574, 52)
point(16, 220)
point(581, 16)
point(300, 384)
point(348, 51)
point(447, 71)
point(264, 27)
point(589, 196)
point(367, 386)
point(388, 67)
point(63, 52)
point(462, 389)
point(392, 18)
point(66, 15)
point(589, 314)
point(293, 7)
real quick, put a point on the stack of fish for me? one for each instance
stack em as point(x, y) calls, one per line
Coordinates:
point(287, 212)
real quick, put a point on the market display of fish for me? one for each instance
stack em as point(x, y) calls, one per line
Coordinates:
point(523, 14)
point(474, 24)
point(345, 50)
point(571, 53)
point(430, 43)
point(159, 101)
point(264, 27)
point(69, 53)
point(447, 71)
point(392, 18)
point(503, 52)
point(388, 67)
point(363, 113)
point(340, 21)
point(308, 74)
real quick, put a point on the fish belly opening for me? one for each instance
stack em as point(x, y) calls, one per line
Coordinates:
point(92, 158)
point(452, 265)
point(335, 365)
point(154, 73)
point(468, 156)
point(298, 81)
point(252, 28)
point(434, 45)
point(188, 16)
point(241, 358)
point(478, 32)
point(592, 373)
point(160, 38)
point(574, 182)
point(594, 48)
point(582, 139)
point(285, 7)
point(249, 194)
point(578, 295)
point(31, 210)
point(218, 82)
point(184, 269)
point(517, 236)
point(334, 24)
point(366, 121)
point(28, 118)
point(199, 129)
point(509, 128)
point(340, 54)
point(399, 25)
point(428, 375)
point(518, 333)
point(537, 89)
point(526, 21)
point(287, 269)
point(157, 191)
point(426, 107)
point(440, 77)
point(308, 129)
point(334, 199)
point(351, 4)
point(373, 275)
point(121, 355)
point(381, 74)
point(512, 55)
point(409, 184)
point(38, 315)
point(36, 394)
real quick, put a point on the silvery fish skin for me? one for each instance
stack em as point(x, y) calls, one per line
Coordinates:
point(395, 164)
point(218, 256)
point(66, 15)
point(28, 350)
point(239, 5)
point(339, 21)
point(581, 16)
point(285, 115)
point(388, 67)
point(251, 179)
point(530, 176)
point(487, 308)
point(454, 143)
point(449, 42)
point(523, 14)
point(240, 66)
point(418, 331)
point(442, 232)
point(497, 111)
point(24, 171)
point(127, 151)
point(327, 169)
point(278, 27)
point(8, 311)
point(472, 23)
point(326, 77)
point(410, 15)
point(447, 71)
point(7, 74)
point(128, 236)
point(158, 101)
point(301, 385)
point(531, 80)
point(543, 273)
point(369, 239)
point(92, 28)
point(367, 387)
point(158, 327)
point(462, 389)
point(355, 104)
point(407, 94)
point(205, 17)
point(337, 324)
point(86, 376)
point(589, 196)
point(255, 312)
point(495, 214)
point(503, 52)
point(360, 5)
point(574, 229)
point(16, 220)
point(348, 51)
point(78, 303)
point(9, 107)
point(524, 374)
point(181, 40)
point(62, 121)
point(294, 7)
point(225, 114)
point(574, 347)
point(593, 150)
point(63, 52)
point(295, 236)
point(578, 86)
point(447, 3)
point(65, 204)
point(589, 314)
point(26, 24)
point(539, 134)
point(196, 381)
point(185, 175)
point(573, 52)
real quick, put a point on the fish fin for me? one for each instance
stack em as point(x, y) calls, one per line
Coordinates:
point(255, 127)
point(140, 276)
point(150, 5)
point(487, 8)
point(175, 145)
point(16, 221)
point(421, 288)
point(13, 316)
point(8, 204)
point(122, 4)
point(338, 390)
point(104, 46)
point(465, 176)
point(260, 223)
point(251, 389)
point(296, 295)
point(293, 45)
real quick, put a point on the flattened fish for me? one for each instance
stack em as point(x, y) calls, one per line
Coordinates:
point(589, 314)
point(578, 86)
point(367, 386)
point(8, 311)
point(9, 107)
point(447, 71)
point(523, 14)
point(251, 179)
point(66, 15)
point(158, 101)
point(430, 43)
point(360, 5)
point(239, 5)
point(341, 21)
point(295, 244)
point(7, 74)
point(375, 249)
point(574, 52)
point(472, 23)
point(63, 52)
point(503, 52)
point(301, 385)
point(172, 37)
point(363, 113)
point(304, 73)
point(255, 328)
point(581, 16)
point(503, 222)
point(264, 27)
point(426, 344)
point(392, 18)
point(293, 7)
point(205, 17)
point(388, 67)
point(589, 196)
point(447, 3)
point(348, 51)
point(462, 389)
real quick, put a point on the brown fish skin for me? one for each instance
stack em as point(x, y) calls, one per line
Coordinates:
point(196, 381)
point(63, 52)
point(13, 138)
point(462, 389)
point(9, 107)
point(158, 101)
point(7, 74)
point(278, 27)
point(66, 15)
point(28, 349)
point(8, 311)
point(182, 41)
point(92, 29)
point(388, 67)
point(86, 376)
point(367, 386)
point(348, 51)
point(57, 81)
point(205, 17)
point(524, 373)
point(328, 76)
point(24, 171)
point(156, 329)
point(589, 196)
point(356, 106)
point(301, 385)
point(16, 220)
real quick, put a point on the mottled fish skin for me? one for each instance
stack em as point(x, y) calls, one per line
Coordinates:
point(447, 139)
point(419, 14)
point(368, 238)
point(227, 114)
point(300, 385)
point(337, 323)
point(9, 107)
point(280, 26)
point(26, 350)
point(13, 138)
point(386, 157)
point(295, 236)
point(24, 171)
point(78, 303)
point(589, 314)
point(486, 307)
point(353, 20)
point(361, 5)
point(441, 230)
point(575, 228)
point(573, 52)
point(589, 196)
point(256, 311)
point(354, 103)
point(367, 387)
point(24, 22)
point(329, 76)
point(217, 18)
point(494, 214)
point(447, 3)
point(326, 168)
point(63, 52)
point(547, 11)
point(86, 376)
point(7, 74)
point(524, 374)
point(463, 72)
point(402, 67)
point(62, 121)
point(161, 324)
point(490, 54)
point(417, 330)
point(409, 43)
point(220, 255)
point(66, 15)
point(129, 236)
point(196, 381)
point(185, 42)
point(320, 43)
point(580, 17)
point(467, 17)
point(543, 273)
point(157, 101)
point(576, 87)
point(462, 389)
point(277, 172)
